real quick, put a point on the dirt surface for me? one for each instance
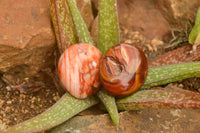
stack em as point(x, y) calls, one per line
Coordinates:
point(16, 107)
point(26, 100)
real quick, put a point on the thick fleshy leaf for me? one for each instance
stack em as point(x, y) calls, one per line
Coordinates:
point(65, 108)
point(194, 36)
point(108, 26)
point(160, 98)
point(171, 73)
point(108, 37)
point(81, 28)
point(62, 23)
point(109, 103)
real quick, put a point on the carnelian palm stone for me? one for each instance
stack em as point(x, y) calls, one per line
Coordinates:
point(123, 69)
point(78, 69)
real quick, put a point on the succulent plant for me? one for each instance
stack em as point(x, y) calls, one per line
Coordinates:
point(70, 29)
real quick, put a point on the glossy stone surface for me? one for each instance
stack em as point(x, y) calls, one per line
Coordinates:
point(79, 70)
point(123, 69)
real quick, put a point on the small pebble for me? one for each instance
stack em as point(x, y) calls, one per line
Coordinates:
point(9, 102)
point(180, 85)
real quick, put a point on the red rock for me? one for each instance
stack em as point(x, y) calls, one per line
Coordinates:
point(155, 18)
point(179, 13)
point(27, 40)
point(142, 121)
point(142, 16)
point(26, 37)
point(79, 70)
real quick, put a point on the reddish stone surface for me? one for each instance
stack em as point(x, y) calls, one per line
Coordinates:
point(26, 36)
point(156, 18)
point(79, 70)
point(179, 13)
point(179, 55)
point(27, 40)
point(143, 121)
point(123, 69)
point(142, 16)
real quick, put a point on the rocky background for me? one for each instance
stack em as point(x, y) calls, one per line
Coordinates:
point(27, 41)
point(28, 44)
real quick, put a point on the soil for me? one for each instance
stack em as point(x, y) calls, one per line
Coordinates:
point(16, 107)
point(20, 101)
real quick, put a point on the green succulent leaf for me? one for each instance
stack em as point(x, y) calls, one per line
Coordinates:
point(170, 73)
point(109, 103)
point(108, 33)
point(81, 28)
point(160, 98)
point(65, 108)
point(108, 25)
point(194, 36)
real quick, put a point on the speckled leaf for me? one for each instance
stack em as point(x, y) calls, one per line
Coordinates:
point(108, 25)
point(64, 109)
point(170, 73)
point(62, 23)
point(176, 56)
point(81, 28)
point(109, 103)
point(194, 36)
point(160, 98)
point(108, 36)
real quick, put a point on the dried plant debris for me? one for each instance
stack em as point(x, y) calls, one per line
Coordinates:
point(151, 48)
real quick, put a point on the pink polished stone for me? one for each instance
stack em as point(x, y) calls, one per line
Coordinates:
point(79, 70)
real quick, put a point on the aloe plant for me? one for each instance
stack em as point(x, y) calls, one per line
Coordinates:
point(69, 29)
